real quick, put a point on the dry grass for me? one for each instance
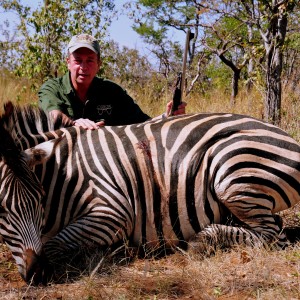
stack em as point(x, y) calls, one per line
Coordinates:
point(16, 90)
point(218, 101)
point(242, 273)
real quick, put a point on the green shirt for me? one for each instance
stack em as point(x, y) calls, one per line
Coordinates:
point(105, 100)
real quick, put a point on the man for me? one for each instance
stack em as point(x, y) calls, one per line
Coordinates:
point(83, 99)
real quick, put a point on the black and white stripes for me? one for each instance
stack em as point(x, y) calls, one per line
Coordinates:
point(206, 178)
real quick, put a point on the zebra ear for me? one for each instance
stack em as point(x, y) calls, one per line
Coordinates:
point(41, 152)
point(8, 108)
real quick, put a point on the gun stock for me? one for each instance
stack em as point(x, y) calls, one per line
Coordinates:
point(177, 94)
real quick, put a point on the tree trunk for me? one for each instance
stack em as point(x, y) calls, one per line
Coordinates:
point(250, 67)
point(273, 46)
point(273, 85)
point(235, 77)
point(235, 86)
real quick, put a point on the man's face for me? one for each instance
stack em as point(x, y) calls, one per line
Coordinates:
point(83, 65)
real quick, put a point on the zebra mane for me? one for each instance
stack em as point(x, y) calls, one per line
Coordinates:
point(28, 125)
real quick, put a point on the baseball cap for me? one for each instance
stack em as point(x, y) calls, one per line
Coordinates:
point(83, 41)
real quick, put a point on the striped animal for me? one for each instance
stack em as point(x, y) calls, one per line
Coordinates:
point(206, 178)
point(21, 210)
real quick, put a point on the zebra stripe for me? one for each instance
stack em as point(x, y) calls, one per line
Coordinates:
point(21, 211)
point(200, 179)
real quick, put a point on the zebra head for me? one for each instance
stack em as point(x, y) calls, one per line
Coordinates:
point(21, 211)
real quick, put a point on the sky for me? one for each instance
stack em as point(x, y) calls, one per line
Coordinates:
point(120, 30)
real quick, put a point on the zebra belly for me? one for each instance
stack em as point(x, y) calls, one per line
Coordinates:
point(174, 226)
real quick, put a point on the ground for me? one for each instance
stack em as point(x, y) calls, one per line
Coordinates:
point(241, 273)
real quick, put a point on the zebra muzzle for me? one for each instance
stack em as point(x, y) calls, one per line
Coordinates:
point(36, 266)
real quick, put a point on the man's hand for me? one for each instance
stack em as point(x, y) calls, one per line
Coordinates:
point(179, 111)
point(88, 124)
point(84, 123)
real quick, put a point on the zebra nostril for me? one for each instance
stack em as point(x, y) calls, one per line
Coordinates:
point(33, 268)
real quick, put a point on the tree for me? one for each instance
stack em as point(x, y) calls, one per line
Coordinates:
point(291, 55)
point(43, 33)
point(153, 19)
point(271, 20)
point(215, 29)
point(126, 65)
point(260, 25)
point(226, 38)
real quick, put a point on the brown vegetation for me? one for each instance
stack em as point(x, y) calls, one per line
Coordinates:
point(241, 273)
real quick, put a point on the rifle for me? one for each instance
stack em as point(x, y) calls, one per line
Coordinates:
point(180, 82)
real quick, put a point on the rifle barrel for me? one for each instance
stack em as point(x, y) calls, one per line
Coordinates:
point(187, 44)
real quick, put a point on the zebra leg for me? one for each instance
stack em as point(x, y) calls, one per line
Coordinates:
point(217, 236)
point(87, 232)
point(253, 212)
point(255, 225)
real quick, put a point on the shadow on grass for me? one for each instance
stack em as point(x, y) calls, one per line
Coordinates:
point(90, 261)
point(292, 233)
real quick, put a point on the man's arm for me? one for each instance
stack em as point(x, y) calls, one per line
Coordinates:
point(49, 97)
point(58, 114)
point(50, 101)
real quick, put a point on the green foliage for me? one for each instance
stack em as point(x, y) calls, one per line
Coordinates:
point(293, 41)
point(167, 11)
point(219, 75)
point(44, 33)
point(150, 33)
point(155, 4)
point(126, 66)
point(227, 29)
